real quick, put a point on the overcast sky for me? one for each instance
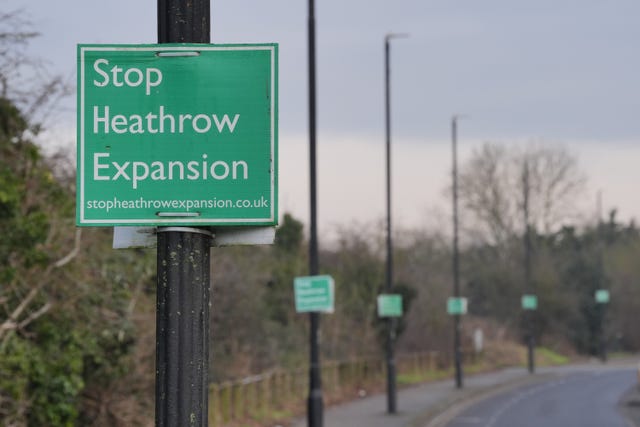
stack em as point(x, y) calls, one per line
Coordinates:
point(558, 71)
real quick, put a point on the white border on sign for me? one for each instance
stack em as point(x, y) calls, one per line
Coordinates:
point(191, 220)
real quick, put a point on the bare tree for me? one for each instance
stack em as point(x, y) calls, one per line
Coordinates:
point(492, 189)
point(487, 187)
point(24, 80)
point(555, 182)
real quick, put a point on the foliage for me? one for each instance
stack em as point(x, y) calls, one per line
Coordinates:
point(288, 263)
point(65, 297)
point(26, 222)
point(357, 269)
point(254, 324)
point(53, 339)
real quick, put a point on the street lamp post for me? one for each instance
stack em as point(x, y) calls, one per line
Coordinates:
point(602, 294)
point(530, 319)
point(315, 405)
point(391, 365)
point(183, 272)
point(456, 257)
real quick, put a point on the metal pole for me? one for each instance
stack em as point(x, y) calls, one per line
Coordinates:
point(603, 335)
point(314, 404)
point(183, 269)
point(603, 306)
point(456, 261)
point(391, 364)
point(527, 272)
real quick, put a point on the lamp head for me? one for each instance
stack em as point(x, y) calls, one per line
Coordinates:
point(390, 36)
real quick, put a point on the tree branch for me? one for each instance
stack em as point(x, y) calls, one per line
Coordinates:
point(33, 316)
point(74, 252)
point(12, 322)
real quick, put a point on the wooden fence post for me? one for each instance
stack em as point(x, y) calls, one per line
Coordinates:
point(214, 405)
point(238, 401)
point(226, 413)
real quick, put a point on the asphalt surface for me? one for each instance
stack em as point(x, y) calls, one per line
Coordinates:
point(588, 398)
point(508, 398)
point(417, 404)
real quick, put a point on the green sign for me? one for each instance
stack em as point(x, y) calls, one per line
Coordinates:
point(177, 134)
point(529, 302)
point(602, 296)
point(314, 293)
point(390, 305)
point(456, 305)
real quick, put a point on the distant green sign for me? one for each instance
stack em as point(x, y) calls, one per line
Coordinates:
point(177, 134)
point(602, 296)
point(314, 293)
point(457, 305)
point(529, 302)
point(390, 305)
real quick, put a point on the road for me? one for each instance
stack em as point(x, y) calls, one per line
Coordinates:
point(581, 398)
point(413, 402)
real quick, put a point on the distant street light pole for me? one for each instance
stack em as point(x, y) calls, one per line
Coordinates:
point(391, 364)
point(315, 406)
point(530, 320)
point(602, 304)
point(456, 257)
